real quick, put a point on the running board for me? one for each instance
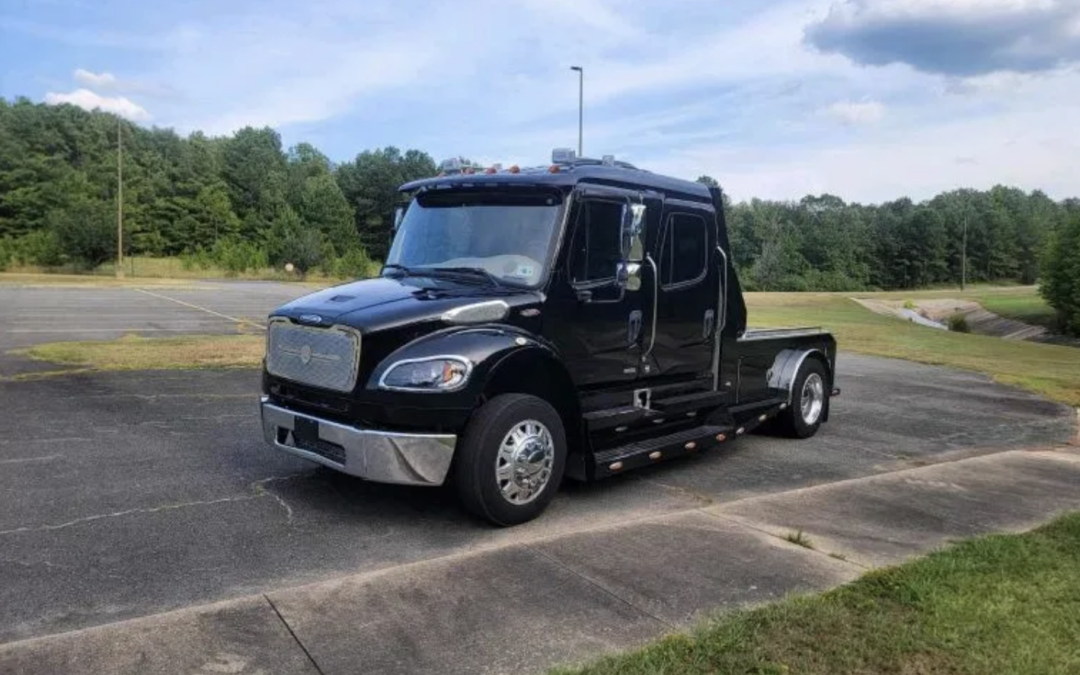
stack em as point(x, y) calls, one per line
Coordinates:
point(618, 460)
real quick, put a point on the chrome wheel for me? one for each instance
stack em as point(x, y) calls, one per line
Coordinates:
point(524, 463)
point(813, 399)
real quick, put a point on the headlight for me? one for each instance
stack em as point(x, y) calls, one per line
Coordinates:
point(439, 373)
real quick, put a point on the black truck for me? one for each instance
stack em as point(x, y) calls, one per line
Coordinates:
point(577, 319)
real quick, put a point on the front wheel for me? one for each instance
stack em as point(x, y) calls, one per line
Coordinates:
point(803, 417)
point(511, 459)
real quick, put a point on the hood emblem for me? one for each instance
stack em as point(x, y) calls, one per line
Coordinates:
point(305, 354)
point(311, 318)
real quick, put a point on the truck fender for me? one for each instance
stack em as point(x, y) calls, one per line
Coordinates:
point(786, 366)
point(536, 369)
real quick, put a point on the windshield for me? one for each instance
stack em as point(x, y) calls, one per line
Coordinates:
point(507, 235)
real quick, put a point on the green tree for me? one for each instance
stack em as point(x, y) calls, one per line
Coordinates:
point(370, 185)
point(1061, 274)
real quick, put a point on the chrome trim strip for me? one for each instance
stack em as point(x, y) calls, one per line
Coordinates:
point(753, 335)
point(454, 315)
point(721, 320)
point(416, 390)
point(655, 299)
point(380, 456)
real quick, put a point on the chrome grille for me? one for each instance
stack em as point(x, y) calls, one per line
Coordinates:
point(320, 357)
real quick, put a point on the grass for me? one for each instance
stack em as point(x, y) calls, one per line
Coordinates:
point(1049, 370)
point(137, 353)
point(799, 539)
point(993, 605)
point(173, 269)
point(1028, 308)
point(1020, 303)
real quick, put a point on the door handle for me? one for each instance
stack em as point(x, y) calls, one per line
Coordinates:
point(710, 321)
point(633, 331)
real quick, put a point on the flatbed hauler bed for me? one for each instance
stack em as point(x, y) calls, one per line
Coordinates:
point(581, 319)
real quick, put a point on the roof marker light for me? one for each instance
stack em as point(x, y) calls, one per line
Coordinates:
point(515, 169)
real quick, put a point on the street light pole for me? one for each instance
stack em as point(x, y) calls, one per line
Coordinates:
point(581, 106)
point(119, 200)
point(963, 258)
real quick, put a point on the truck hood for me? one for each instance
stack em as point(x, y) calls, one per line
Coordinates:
point(388, 302)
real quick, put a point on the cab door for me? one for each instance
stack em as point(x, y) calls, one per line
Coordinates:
point(594, 313)
point(686, 288)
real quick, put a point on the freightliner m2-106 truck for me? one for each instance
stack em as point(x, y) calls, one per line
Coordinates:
point(579, 319)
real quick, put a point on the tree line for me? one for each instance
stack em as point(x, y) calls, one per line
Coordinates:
point(243, 201)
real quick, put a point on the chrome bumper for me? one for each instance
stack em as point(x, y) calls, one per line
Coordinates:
point(379, 456)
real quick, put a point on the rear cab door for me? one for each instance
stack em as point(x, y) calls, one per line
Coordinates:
point(684, 255)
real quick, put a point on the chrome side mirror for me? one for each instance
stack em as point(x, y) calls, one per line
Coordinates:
point(633, 219)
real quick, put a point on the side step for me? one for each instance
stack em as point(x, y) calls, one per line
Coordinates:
point(653, 450)
point(611, 418)
point(618, 460)
point(696, 401)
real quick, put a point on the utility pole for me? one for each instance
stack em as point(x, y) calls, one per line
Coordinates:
point(119, 200)
point(963, 258)
point(581, 106)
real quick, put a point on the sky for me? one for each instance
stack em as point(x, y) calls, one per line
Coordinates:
point(866, 99)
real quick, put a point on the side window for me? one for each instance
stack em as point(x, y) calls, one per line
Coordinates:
point(684, 254)
point(596, 249)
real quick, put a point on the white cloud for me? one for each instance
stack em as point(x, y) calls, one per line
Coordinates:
point(861, 112)
point(105, 81)
point(88, 100)
point(1032, 148)
point(95, 80)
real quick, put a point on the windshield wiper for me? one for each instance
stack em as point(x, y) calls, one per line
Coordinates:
point(474, 271)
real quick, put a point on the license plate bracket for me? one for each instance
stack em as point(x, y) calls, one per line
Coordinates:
point(306, 431)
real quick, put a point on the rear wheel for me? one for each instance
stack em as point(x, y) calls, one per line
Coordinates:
point(511, 459)
point(809, 399)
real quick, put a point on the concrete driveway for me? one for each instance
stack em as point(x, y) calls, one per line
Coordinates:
point(128, 495)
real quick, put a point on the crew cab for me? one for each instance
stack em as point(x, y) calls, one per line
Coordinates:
point(578, 319)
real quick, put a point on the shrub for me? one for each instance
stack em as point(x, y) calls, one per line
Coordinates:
point(84, 231)
point(7, 253)
point(354, 264)
point(958, 323)
point(908, 304)
point(236, 256)
point(40, 247)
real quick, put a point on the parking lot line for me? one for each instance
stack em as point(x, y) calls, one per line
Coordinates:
point(201, 309)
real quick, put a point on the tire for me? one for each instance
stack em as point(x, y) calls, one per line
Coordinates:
point(511, 459)
point(809, 401)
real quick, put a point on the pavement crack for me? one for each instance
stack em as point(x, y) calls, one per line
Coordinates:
point(299, 644)
point(260, 490)
point(828, 554)
point(28, 460)
point(128, 512)
point(690, 493)
point(600, 587)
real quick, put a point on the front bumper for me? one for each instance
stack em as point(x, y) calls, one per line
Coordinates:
point(379, 456)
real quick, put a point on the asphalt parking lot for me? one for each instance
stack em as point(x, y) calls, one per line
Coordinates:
point(128, 494)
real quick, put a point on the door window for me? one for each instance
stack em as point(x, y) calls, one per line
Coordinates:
point(596, 245)
point(684, 254)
